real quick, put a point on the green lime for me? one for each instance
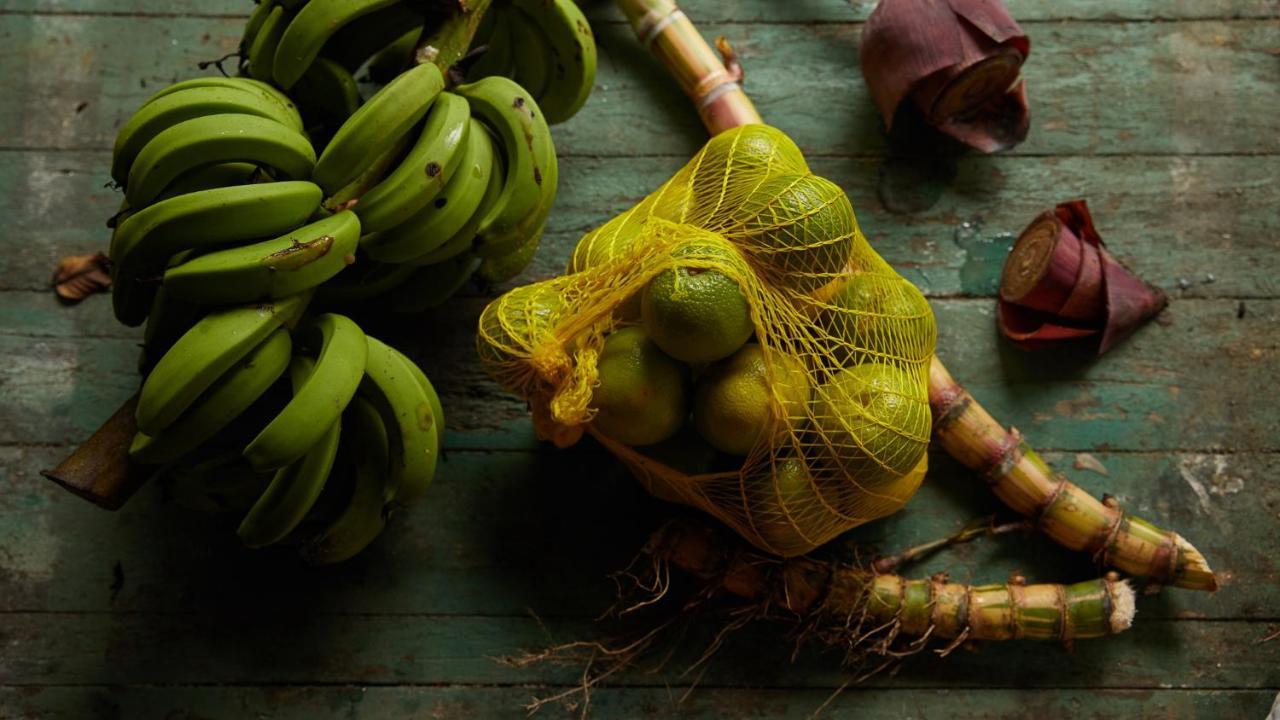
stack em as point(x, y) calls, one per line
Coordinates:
point(783, 505)
point(737, 404)
point(697, 314)
point(801, 228)
point(875, 419)
point(879, 318)
point(642, 395)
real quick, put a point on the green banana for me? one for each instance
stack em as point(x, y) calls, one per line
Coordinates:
point(330, 88)
point(237, 83)
point(220, 405)
point(365, 440)
point(432, 285)
point(500, 269)
point(167, 321)
point(174, 108)
point(368, 280)
point(411, 421)
point(227, 137)
point(390, 113)
point(143, 244)
point(463, 240)
point(440, 219)
point(253, 25)
point(295, 488)
point(262, 51)
point(216, 485)
point(396, 57)
point(205, 353)
point(497, 59)
point(318, 401)
point(531, 172)
point(573, 53)
point(371, 175)
point(289, 264)
point(311, 28)
point(429, 391)
point(355, 44)
point(531, 54)
point(424, 172)
point(210, 177)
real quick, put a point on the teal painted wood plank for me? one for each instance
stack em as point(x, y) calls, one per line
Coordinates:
point(379, 703)
point(741, 10)
point(1170, 218)
point(1161, 390)
point(286, 644)
point(507, 533)
point(1096, 88)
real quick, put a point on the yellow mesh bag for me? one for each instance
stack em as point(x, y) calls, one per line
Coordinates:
point(845, 342)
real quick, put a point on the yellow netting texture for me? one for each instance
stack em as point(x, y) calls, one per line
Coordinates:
point(748, 206)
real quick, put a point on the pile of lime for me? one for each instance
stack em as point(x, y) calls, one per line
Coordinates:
point(689, 382)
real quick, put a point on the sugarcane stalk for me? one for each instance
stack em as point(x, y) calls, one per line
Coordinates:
point(715, 90)
point(1017, 475)
point(851, 599)
point(1063, 510)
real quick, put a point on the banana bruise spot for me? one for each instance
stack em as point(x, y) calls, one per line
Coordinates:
point(300, 254)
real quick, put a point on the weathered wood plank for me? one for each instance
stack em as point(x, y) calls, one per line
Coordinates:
point(568, 520)
point(1163, 389)
point(741, 10)
point(1096, 88)
point(379, 703)
point(283, 643)
point(1170, 218)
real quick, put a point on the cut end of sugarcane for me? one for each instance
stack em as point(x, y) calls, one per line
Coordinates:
point(1123, 605)
point(1194, 573)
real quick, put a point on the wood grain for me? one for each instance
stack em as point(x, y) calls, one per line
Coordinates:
point(1160, 112)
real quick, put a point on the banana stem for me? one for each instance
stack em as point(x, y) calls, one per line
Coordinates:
point(714, 89)
point(100, 470)
point(852, 604)
point(1063, 510)
point(1017, 475)
point(450, 41)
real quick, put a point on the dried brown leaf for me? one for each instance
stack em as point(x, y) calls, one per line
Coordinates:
point(78, 276)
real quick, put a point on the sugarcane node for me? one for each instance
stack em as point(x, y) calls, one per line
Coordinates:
point(965, 94)
point(1004, 456)
point(730, 58)
point(1110, 500)
point(947, 405)
point(1045, 506)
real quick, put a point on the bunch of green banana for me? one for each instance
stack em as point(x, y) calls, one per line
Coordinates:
point(219, 204)
point(314, 48)
point(445, 184)
point(546, 46)
point(237, 436)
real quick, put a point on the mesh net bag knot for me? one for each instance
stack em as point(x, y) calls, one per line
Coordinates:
point(817, 420)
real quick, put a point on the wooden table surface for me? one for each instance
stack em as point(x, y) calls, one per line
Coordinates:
point(1163, 113)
